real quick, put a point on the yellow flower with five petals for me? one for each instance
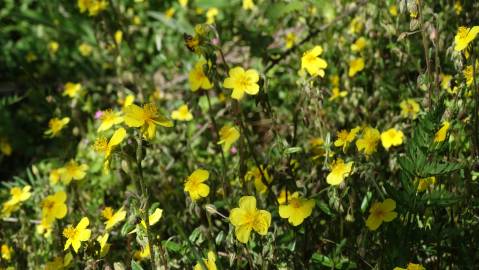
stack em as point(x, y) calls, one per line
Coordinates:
point(246, 218)
point(241, 82)
point(146, 118)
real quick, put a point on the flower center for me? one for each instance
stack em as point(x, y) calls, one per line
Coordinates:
point(379, 213)
point(462, 32)
point(149, 111)
point(48, 205)
point(107, 116)
point(70, 232)
point(101, 145)
point(55, 125)
point(244, 81)
point(295, 203)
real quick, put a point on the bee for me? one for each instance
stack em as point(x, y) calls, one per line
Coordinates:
point(191, 42)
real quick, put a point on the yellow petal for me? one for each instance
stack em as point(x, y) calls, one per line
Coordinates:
point(117, 137)
point(390, 216)
point(203, 190)
point(155, 217)
point(373, 223)
point(133, 116)
point(83, 223)
point(389, 205)
point(84, 235)
point(242, 233)
point(237, 216)
point(262, 223)
point(200, 175)
point(248, 203)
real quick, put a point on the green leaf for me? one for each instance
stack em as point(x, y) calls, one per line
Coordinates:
point(322, 259)
point(293, 150)
point(135, 265)
point(172, 246)
point(325, 208)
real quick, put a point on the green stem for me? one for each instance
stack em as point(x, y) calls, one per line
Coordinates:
point(219, 148)
point(145, 200)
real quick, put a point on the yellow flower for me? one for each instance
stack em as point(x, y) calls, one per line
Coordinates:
point(76, 235)
point(183, 3)
point(5, 146)
point(468, 74)
point(255, 174)
point(356, 25)
point(458, 7)
point(446, 82)
point(381, 212)
point(369, 141)
point(147, 118)
point(109, 119)
point(72, 89)
point(345, 137)
point(194, 184)
point(247, 218)
point(118, 37)
point(113, 218)
point(102, 146)
point(335, 93)
point(127, 101)
point(290, 40)
point(314, 64)
point(339, 171)
point(94, 7)
point(296, 209)
point(55, 175)
point(17, 197)
point(152, 219)
point(334, 79)
point(53, 47)
point(56, 125)
point(155, 217)
point(393, 10)
point(85, 49)
point(211, 13)
point(248, 4)
point(355, 66)
point(142, 254)
point(391, 137)
point(228, 136)
point(73, 171)
point(411, 266)
point(464, 36)
point(54, 207)
point(209, 263)
point(45, 228)
point(242, 81)
point(440, 135)
point(197, 77)
point(425, 183)
point(182, 114)
point(359, 44)
point(6, 252)
point(409, 108)
point(169, 13)
point(104, 246)
point(283, 195)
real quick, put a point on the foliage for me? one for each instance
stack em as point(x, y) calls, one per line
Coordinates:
point(243, 134)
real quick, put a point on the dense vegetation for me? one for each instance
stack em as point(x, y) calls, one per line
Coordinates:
point(242, 134)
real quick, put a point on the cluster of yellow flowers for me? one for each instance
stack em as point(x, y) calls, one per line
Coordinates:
point(114, 127)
